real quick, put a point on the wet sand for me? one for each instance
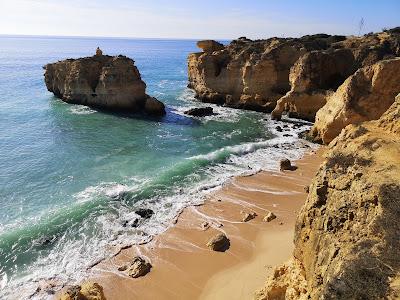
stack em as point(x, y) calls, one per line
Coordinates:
point(183, 266)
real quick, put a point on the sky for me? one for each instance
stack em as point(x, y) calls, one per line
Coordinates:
point(200, 19)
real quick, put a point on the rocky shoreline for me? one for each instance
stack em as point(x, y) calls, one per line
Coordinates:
point(346, 233)
point(332, 80)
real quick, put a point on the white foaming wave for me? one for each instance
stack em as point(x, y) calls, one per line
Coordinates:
point(77, 109)
point(112, 190)
point(222, 113)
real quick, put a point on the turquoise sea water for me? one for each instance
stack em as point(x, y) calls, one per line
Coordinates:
point(71, 177)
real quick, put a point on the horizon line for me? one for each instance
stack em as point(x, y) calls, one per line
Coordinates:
point(107, 37)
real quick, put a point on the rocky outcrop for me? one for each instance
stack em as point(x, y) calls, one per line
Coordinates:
point(364, 96)
point(86, 291)
point(102, 81)
point(209, 46)
point(284, 75)
point(346, 236)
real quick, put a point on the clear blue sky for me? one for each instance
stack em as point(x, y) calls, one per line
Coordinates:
point(218, 19)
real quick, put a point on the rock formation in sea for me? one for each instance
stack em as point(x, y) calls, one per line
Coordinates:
point(294, 75)
point(347, 233)
point(108, 82)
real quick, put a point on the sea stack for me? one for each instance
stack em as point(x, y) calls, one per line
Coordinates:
point(103, 81)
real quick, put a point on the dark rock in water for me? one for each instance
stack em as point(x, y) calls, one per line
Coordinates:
point(45, 240)
point(279, 128)
point(107, 82)
point(285, 164)
point(127, 223)
point(145, 213)
point(219, 243)
point(200, 111)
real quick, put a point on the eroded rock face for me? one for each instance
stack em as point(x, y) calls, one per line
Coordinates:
point(314, 76)
point(101, 81)
point(364, 96)
point(249, 74)
point(346, 237)
point(292, 75)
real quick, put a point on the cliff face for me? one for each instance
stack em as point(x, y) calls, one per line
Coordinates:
point(346, 237)
point(364, 96)
point(278, 74)
point(101, 81)
point(249, 74)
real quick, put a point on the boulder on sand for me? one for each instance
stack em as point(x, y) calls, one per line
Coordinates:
point(268, 218)
point(219, 243)
point(285, 164)
point(137, 267)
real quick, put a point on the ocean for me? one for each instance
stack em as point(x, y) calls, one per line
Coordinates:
point(72, 177)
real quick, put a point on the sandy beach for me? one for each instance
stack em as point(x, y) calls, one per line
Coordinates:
point(183, 266)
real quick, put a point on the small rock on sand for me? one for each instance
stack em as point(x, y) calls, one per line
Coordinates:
point(268, 218)
point(205, 225)
point(137, 267)
point(285, 164)
point(249, 216)
point(307, 189)
point(219, 243)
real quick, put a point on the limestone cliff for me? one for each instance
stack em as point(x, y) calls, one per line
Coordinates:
point(101, 81)
point(250, 74)
point(347, 233)
point(295, 75)
point(364, 96)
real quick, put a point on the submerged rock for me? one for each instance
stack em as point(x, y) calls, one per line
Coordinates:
point(145, 213)
point(200, 111)
point(137, 267)
point(107, 82)
point(86, 291)
point(219, 243)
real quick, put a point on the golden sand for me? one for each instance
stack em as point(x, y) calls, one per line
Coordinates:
point(183, 266)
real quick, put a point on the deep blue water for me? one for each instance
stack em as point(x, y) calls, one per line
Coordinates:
point(71, 177)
